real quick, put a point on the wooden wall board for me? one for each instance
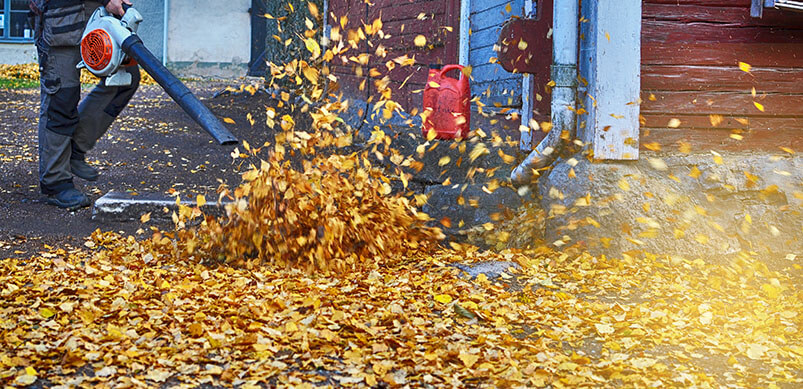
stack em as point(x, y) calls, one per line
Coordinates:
point(729, 122)
point(728, 16)
point(723, 103)
point(691, 50)
point(698, 32)
point(723, 54)
point(720, 140)
point(720, 78)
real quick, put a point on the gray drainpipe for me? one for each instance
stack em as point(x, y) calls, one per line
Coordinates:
point(565, 33)
point(165, 31)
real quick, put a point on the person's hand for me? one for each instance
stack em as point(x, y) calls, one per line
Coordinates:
point(115, 7)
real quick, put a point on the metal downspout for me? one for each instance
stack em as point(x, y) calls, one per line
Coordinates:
point(465, 25)
point(164, 32)
point(566, 14)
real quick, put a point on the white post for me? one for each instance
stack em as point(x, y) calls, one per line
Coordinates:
point(465, 26)
point(525, 142)
point(611, 63)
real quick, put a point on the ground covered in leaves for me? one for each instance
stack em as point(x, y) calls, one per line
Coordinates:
point(119, 312)
point(325, 271)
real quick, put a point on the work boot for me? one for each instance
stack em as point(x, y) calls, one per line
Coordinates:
point(69, 199)
point(82, 169)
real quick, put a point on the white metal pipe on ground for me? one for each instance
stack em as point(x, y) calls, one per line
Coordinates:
point(565, 33)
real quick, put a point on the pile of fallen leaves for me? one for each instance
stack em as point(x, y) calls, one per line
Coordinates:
point(30, 71)
point(325, 212)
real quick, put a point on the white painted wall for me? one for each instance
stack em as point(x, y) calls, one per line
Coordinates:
point(209, 31)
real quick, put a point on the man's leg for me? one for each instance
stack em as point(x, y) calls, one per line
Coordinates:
point(96, 113)
point(61, 90)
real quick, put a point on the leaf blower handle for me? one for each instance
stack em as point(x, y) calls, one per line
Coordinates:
point(178, 91)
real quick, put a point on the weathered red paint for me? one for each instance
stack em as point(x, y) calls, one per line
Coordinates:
point(518, 48)
point(401, 24)
point(690, 55)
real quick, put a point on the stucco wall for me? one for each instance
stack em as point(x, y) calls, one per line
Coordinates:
point(688, 205)
point(209, 32)
point(17, 53)
point(151, 29)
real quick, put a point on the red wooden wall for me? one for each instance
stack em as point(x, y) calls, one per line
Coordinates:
point(403, 20)
point(690, 55)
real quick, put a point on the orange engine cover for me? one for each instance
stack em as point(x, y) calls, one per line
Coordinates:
point(447, 104)
point(97, 49)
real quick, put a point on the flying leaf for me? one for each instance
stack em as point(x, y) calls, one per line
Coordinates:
point(759, 106)
point(420, 41)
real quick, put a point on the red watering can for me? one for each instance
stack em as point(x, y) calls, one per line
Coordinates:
point(447, 104)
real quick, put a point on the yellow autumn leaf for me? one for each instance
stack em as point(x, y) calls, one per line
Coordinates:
point(772, 291)
point(25, 379)
point(759, 106)
point(420, 41)
point(745, 67)
point(229, 120)
point(443, 298)
point(200, 200)
point(431, 134)
point(444, 160)
point(145, 218)
point(47, 313)
point(603, 328)
point(756, 351)
point(313, 47)
point(715, 120)
point(468, 359)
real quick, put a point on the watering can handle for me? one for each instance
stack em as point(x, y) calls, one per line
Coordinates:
point(449, 68)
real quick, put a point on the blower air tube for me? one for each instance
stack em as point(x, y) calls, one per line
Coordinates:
point(178, 91)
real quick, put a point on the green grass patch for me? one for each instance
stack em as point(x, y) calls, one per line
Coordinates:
point(17, 83)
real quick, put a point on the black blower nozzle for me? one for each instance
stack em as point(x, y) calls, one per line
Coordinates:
point(179, 92)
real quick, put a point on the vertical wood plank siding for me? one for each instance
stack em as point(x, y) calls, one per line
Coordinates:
point(691, 51)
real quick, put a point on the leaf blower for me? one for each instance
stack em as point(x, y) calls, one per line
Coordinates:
point(110, 44)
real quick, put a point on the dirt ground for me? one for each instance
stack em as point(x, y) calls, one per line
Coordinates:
point(153, 147)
